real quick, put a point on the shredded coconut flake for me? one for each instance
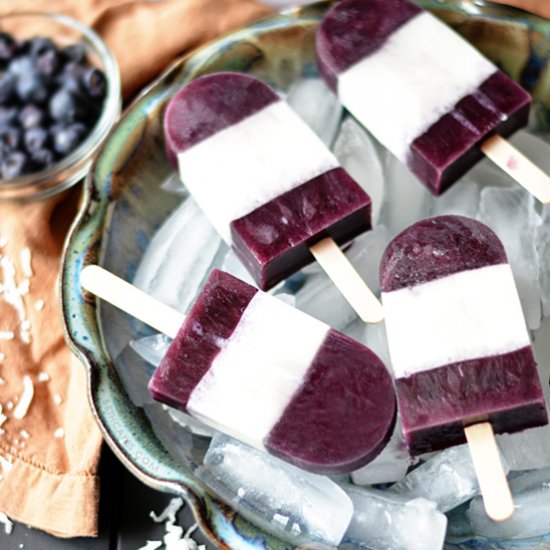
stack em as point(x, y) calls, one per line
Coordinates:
point(8, 525)
point(3, 242)
point(9, 405)
point(39, 305)
point(24, 287)
point(13, 294)
point(25, 399)
point(43, 377)
point(169, 513)
point(175, 538)
point(6, 335)
point(57, 399)
point(2, 381)
point(59, 433)
point(6, 465)
point(26, 265)
point(2, 356)
point(24, 434)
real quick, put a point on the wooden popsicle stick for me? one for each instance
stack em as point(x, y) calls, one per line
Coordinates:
point(347, 280)
point(517, 165)
point(497, 497)
point(131, 299)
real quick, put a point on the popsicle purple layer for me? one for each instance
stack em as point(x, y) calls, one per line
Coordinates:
point(449, 148)
point(260, 175)
point(336, 414)
point(438, 247)
point(353, 30)
point(346, 392)
point(271, 251)
point(460, 97)
point(436, 405)
point(210, 323)
point(210, 104)
point(460, 349)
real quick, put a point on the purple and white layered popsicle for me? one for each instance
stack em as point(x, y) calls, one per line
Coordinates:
point(458, 342)
point(274, 377)
point(423, 91)
point(265, 181)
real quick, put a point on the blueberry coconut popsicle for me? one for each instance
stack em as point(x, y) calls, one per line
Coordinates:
point(459, 346)
point(424, 92)
point(266, 373)
point(267, 183)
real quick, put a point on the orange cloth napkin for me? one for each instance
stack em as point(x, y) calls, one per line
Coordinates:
point(540, 7)
point(49, 442)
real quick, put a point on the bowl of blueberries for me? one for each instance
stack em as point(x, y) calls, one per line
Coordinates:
point(59, 97)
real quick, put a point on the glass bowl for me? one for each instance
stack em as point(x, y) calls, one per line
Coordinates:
point(64, 30)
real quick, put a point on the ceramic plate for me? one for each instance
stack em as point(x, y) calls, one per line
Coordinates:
point(124, 205)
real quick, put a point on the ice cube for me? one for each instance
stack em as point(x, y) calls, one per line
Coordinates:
point(511, 214)
point(317, 105)
point(182, 445)
point(179, 257)
point(461, 199)
point(448, 479)
point(189, 423)
point(232, 265)
point(531, 517)
point(319, 296)
point(151, 348)
point(406, 200)
point(535, 148)
point(530, 448)
point(383, 520)
point(358, 154)
point(174, 185)
point(282, 499)
point(389, 466)
point(377, 341)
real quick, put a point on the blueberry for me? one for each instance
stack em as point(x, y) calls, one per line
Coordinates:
point(75, 52)
point(68, 138)
point(8, 115)
point(10, 136)
point(7, 87)
point(7, 46)
point(95, 82)
point(74, 69)
point(22, 47)
point(31, 116)
point(69, 82)
point(48, 63)
point(32, 86)
point(14, 165)
point(40, 45)
point(21, 65)
point(68, 106)
point(35, 139)
point(42, 158)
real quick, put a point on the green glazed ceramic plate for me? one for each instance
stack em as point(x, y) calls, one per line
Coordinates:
point(124, 205)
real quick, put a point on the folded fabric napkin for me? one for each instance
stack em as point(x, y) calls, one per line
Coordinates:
point(49, 442)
